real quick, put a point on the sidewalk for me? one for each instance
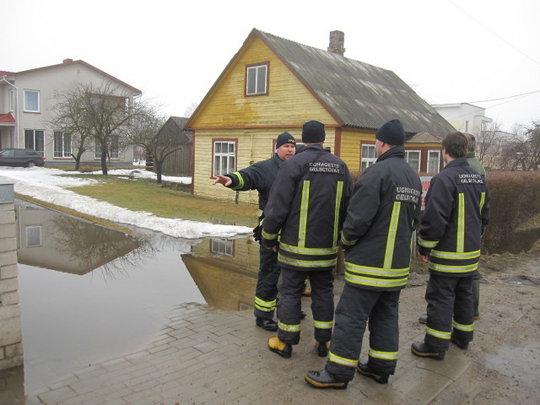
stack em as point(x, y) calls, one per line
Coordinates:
point(209, 356)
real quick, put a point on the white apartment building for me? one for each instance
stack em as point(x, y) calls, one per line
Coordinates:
point(26, 110)
point(464, 117)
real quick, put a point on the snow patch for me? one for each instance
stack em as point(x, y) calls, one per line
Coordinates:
point(48, 185)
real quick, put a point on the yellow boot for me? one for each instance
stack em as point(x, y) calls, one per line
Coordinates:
point(277, 346)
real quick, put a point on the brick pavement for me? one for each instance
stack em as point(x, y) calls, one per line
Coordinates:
point(213, 356)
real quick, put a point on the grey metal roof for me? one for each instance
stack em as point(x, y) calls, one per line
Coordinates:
point(358, 94)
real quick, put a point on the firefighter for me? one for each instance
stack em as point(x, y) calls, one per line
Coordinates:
point(260, 176)
point(456, 214)
point(477, 166)
point(303, 217)
point(381, 216)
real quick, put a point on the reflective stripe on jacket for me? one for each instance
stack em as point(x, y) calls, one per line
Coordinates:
point(381, 217)
point(457, 211)
point(259, 176)
point(306, 207)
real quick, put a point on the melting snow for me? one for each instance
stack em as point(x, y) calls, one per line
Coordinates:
point(50, 186)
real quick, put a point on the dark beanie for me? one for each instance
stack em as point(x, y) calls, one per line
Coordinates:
point(284, 138)
point(391, 133)
point(313, 132)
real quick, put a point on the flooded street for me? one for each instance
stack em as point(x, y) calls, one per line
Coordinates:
point(90, 293)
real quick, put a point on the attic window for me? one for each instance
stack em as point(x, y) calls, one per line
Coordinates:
point(257, 79)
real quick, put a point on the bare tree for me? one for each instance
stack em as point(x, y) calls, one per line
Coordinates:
point(148, 130)
point(102, 113)
point(523, 151)
point(489, 146)
point(70, 117)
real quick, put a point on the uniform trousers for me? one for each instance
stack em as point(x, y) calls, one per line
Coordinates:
point(356, 307)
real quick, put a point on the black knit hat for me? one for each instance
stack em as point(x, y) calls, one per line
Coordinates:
point(313, 132)
point(284, 138)
point(391, 133)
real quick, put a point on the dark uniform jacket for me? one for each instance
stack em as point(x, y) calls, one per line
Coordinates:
point(457, 211)
point(259, 176)
point(307, 205)
point(382, 214)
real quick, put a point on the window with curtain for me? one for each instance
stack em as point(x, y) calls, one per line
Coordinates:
point(62, 145)
point(31, 100)
point(256, 80)
point(413, 159)
point(368, 156)
point(224, 157)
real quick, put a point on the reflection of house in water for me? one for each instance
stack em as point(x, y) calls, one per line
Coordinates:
point(58, 242)
point(225, 271)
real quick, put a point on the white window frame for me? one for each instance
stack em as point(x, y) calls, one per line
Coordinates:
point(438, 160)
point(38, 100)
point(34, 139)
point(29, 227)
point(369, 161)
point(256, 69)
point(408, 151)
point(64, 155)
point(12, 100)
point(222, 247)
point(215, 170)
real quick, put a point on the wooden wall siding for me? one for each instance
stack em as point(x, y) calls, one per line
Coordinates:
point(351, 141)
point(351, 149)
point(179, 163)
point(253, 145)
point(288, 102)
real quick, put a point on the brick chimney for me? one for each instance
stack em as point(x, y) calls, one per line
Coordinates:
point(68, 60)
point(337, 42)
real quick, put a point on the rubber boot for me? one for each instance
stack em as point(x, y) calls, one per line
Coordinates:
point(267, 324)
point(422, 350)
point(364, 369)
point(323, 379)
point(277, 346)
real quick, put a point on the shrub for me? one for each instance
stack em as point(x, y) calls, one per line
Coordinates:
point(515, 199)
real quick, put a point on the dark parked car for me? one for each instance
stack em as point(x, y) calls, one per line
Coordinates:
point(21, 157)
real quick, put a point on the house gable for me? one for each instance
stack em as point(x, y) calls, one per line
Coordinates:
point(288, 102)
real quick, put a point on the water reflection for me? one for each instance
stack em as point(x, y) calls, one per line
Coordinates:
point(110, 293)
point(63, 243)
point(225, 271)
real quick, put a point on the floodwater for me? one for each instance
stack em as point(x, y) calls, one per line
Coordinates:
point(89, 293)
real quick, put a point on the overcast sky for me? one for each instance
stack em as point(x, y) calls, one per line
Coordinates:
point(446, 50)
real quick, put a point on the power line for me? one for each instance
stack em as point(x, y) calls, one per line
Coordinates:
point(504, 98)
point(494, 33)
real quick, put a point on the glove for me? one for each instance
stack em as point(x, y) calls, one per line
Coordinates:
point(257, 233)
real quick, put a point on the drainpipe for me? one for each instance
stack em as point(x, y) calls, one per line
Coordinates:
point(3, 79)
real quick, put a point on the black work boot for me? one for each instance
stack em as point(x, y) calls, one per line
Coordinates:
point(267, 324)
point(322, 349)
point(323, 379)
point(278, 346)
point(423, 350)
point(364, 369)
point(459, 343)
point(423, 319)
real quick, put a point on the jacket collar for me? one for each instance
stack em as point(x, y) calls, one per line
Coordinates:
point(316, 146)
point(396, 151)
point(458, 162)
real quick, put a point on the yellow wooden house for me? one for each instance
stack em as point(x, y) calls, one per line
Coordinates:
point(273, 85)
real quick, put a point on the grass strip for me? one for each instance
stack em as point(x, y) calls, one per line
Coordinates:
point(148, 196)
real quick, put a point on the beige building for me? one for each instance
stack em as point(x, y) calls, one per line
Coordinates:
point(27, 99)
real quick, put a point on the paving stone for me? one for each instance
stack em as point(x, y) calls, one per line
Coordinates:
point(57, 395)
